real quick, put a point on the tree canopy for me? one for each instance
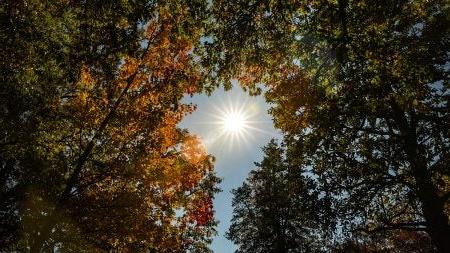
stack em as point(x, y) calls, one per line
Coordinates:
point(91, 158)
point(361, 92)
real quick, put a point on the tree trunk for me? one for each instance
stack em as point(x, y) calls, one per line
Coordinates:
point(432, 208)
point(47, 227)
point(432, 205)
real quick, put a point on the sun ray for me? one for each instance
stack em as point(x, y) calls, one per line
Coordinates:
point(261, 130)
point(236, 122)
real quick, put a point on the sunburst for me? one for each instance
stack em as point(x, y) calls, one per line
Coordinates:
point(232, 120)
point(236, 123)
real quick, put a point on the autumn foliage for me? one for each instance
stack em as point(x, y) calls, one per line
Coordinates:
point(92, 158)
point(91, 155)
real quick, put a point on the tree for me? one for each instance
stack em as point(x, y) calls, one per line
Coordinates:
point(361, 91)
point(91, 158)
point(276, 209)
point(399, 241)
point(280, 209)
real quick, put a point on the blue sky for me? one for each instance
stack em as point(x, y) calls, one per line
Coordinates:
point(235, 157)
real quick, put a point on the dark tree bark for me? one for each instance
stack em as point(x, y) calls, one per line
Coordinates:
point(432, 204)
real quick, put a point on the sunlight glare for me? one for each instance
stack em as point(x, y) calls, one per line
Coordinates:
point(234, 122)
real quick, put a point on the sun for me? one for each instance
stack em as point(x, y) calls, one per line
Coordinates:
point(234, 122)
point(236, 125)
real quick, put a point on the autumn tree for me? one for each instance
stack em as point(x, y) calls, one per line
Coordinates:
point(91, 158)
point(276, 208)
point(361, 91)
